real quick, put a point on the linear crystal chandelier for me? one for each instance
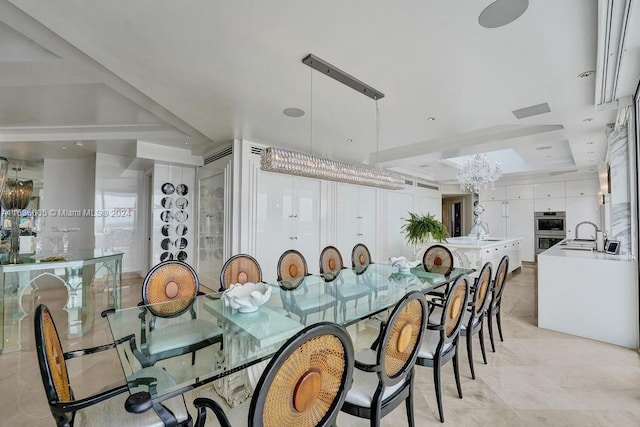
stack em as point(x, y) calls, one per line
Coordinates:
point(478, 173)
point(294, 163)
point(281, 160)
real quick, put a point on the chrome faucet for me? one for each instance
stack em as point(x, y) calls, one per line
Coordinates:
point(595, 229)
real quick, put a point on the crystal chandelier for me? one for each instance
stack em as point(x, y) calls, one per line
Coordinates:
point(293, 163)
point(478, 173)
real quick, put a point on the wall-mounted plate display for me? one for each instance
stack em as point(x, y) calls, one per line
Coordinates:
point(168, 188)
point(182, 256)
point(182, 189)
point(182, 203)
point(166, 256)
point(166, 244)
point(181, 243)
point(181, 230)
point(167, 202)
point(181, 216)
point(165, 230)
point(166, 216)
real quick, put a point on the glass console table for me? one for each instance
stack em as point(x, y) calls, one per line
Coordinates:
point(249, 338)
point(74, 270)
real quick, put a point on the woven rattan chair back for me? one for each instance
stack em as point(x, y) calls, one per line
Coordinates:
point(53, 367)
point(306, 382)
point(438, 259)
point(454, 307)
point(480, 295)
point(330, 261)
point(241, 268)
point(401, 338)
point(360, 257)
point(169, 288)
point(501, 278)
point(292, 265)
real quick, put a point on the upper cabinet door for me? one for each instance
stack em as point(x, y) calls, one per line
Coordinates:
point(583, 187)
point(548, 190)
point(498, 193)
point(356, 219)
point(519, 192)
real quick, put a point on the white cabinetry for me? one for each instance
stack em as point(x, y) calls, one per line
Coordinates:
point(396, 206)
point(495, 215)
point(549, 196)
point(498, 193)
point(519, 192)
point(584, 187)
point(580, 209)
point(287, 217)
point(356, 219)
point(520, 224)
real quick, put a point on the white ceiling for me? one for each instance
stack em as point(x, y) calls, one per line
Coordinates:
point(205, 72)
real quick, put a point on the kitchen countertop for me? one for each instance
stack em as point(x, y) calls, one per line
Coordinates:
point(566, 250)
point(472, 242)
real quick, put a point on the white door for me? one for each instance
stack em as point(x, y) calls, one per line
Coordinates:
point(520, 224)
point(494, 216)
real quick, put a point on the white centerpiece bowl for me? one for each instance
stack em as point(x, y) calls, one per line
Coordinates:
point(246, 298)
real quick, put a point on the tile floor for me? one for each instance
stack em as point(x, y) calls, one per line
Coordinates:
point(536, 377)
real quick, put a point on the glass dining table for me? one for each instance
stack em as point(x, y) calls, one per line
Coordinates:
point(249, 338)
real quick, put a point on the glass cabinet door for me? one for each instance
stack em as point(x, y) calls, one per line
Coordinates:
point(211, 230)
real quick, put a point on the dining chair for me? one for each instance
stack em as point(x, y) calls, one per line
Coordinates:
point(168, 292)
point(330, 266)
point(360, 258)
point(292, 270)
point(438, 259)
point(107, 407)
point(473, 320)
point(304, 384)
point(496, 299)
point(440, 343)
point(384, 376)
point(240, 269)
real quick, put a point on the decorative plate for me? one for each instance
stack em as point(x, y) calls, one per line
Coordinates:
point(168, 188)
point(182, 189)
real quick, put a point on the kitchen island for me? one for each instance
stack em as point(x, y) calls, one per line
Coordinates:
point(471, 252)
point(587, 293)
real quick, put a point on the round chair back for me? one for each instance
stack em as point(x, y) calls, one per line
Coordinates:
point(241, 269)
point(360, 257)
point(53, 368)
point(402, 338)
point(501, 278)
point(169, 288)
point(481, 294)
point(330, 261)
point(438, 259)
point(306, 382)
point(454, 307)
point(292, 265)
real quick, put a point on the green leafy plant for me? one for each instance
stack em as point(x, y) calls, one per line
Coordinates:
point(418, 228)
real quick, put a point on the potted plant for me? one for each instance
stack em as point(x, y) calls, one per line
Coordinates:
point(422, 228)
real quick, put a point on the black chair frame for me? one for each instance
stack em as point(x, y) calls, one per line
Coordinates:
point(335, 289)
point(496, 301)
point(380, 408)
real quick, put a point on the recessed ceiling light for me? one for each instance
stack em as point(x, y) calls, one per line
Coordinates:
point(431, 118)
point(586, 74)
point(502, 12)
point(590, 152)
point(588, 119)
point(544, 147)
point(350, 141)
point(424, 166)
point(590, 143)
point(64, 148)
point(186, 143)
point(293, 112)
point(78, 144)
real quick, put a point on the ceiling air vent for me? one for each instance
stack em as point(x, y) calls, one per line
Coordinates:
point(256, 150)
point(220, 154)
point(533, 110)
point(429, 186)
point(408, 182)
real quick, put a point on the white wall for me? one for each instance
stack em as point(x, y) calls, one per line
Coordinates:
point(69, 184)
point(119, 193)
